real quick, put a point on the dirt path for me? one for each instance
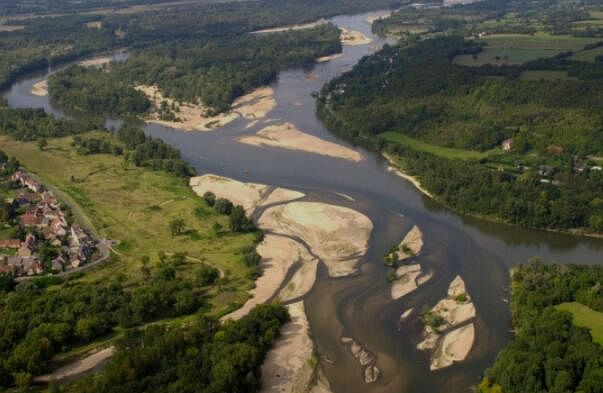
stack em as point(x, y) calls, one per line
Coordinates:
point(78, 367)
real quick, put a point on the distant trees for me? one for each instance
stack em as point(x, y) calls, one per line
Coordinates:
point(177, 226)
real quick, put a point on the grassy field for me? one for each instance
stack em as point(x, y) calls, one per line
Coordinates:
point(446, 152)
point(519, 48)
point(134, 206)
point(588, 55)
point(586, 317)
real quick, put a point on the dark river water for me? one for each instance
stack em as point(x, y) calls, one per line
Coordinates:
point(360, 306)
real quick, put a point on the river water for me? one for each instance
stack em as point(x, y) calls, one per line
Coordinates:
point(360, 306)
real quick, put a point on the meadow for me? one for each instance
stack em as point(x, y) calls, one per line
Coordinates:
point(585, 317)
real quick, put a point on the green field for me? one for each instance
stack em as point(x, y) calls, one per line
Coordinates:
point(520, 48)
point(446, 152)
point(585, 317)
point(547, 75)
point(134, 206)
point(588, 55)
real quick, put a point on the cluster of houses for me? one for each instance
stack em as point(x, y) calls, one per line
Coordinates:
point(45, 222)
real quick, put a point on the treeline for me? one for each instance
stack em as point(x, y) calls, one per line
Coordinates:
point(417, 91)
point(549, 353)
point(37, 322)
point(94, 90)
point(201, 356)
point(46, 41)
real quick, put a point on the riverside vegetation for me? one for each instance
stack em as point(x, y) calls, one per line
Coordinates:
point(165, 269)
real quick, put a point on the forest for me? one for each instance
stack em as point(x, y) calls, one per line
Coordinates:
point(549, 353)
point(546, 180)
point(214, 71)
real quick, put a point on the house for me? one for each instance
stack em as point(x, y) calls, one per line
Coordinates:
point(10, 243)
point(507, 144)
point(58, 264)
point(31, 219)
point(27, 199)
point(78, 235)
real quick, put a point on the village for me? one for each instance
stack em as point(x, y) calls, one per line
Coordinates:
point(48, 244)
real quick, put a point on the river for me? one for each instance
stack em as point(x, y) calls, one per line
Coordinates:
point(360, 306)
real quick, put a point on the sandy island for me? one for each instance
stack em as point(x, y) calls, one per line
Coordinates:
point(366, 359)
point(78, 367)
point(337, 235)
point(372, 18)
point(40, 88)
point(324, 59)
point(287, 136)
point(254, 105)
point(455, 310)
point(301, 26)
point(411, 245)
point(408, 278)
point(353, 38)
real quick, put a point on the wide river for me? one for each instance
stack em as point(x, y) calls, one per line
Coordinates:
point(360, 306)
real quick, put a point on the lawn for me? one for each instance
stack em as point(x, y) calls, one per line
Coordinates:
point(585, 317)
point(134, 206)
point(520, 48)
point(588, 55)
point(547, 75)
point(445, 152)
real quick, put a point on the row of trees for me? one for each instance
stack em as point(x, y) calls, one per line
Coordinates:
point(549, 353)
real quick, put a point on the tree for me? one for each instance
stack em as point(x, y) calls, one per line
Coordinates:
point(177, 226)
point(210, 198)
point(238, 220)
point(144, 268)
point(42, 144)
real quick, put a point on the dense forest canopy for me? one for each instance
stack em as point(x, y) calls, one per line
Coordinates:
point(414, 90)
point(549, 353)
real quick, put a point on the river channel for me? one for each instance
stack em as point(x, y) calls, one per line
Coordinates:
point(360, 306)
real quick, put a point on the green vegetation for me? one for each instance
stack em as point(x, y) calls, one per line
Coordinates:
point(441, 151)
point(584, 316)
point(94, 90)
point(446, 124)
point(549, 353)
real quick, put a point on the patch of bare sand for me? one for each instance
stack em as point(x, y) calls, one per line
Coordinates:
point(370, 19)
point(455, 311)
point(337, 235)
point(256, 104)
point(302, 280)
point(79, 366)
point(366, 359)
point(454, 347)
point(301, 26)
point(278, 254)
point(406, 280)
point(353, 37)
point(411, 245)
point(247, 195)
point(287, 136)
point(413, 180)
point(9, 28)
point(96, 62)
point(404, 316)
point(286, 368)
point(324, 59)
point(40, 88)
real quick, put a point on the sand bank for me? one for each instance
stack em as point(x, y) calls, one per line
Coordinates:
point(302, 280)
point(287, 136)
point(9, 28)
point(406, 280)
point(337, 235)
point(411, 245)
point(247, 195)
point(79, 366)
point(372, 18)
point(40, 88)
point(413, 180)
point(96, 62)
point(404, 316)
point(286, 368)
point(366, 359)
point(301, 26)
point(254, 105)
point(324, 59)
point(454, 347)
point(456, 343)
point(353, 38)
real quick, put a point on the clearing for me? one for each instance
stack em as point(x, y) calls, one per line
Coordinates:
point(585, 317)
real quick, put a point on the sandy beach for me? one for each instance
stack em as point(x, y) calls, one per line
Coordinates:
point(288, 136)
point(413, 180)
point(372, 18)
point(193, 117)
point(337, 235)
point(96, 62)
point(286, 368)
point(406, 280)
point(411, 245)
point(454, 347)
point(79, 366)
point(40, 88)
point(324, 59)
point(247, 195)
point(300, 26)
point(366, 359)
point(353, 38)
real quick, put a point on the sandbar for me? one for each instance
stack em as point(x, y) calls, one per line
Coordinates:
point(288, 136)
point(366, 359)
point(406, 280)
point(247, 195)
point(324, 59)
point(337, 235)
point(40, 88)
point(412, 179)
point(411, 245)
point(353, 37)
point(454, 347)
point(301, 26)
point(96, 62)
point(79, 366)
point(286, 368)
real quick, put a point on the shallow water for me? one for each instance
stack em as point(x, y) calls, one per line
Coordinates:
point(359, 306)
